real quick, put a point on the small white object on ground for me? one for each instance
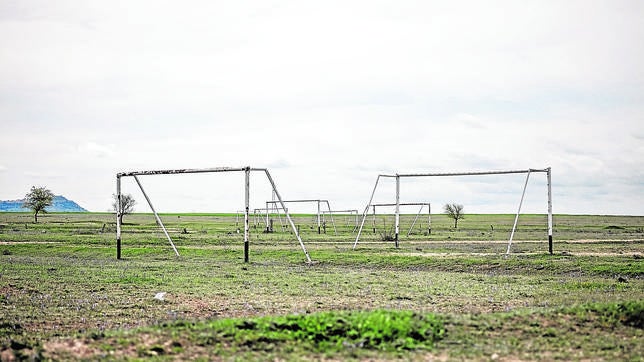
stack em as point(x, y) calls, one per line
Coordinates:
point(160, 296)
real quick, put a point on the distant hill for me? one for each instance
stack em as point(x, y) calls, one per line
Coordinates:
point(59, 204)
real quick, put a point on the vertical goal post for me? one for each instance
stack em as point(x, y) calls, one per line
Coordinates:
point(247, 170)
point(398, 176)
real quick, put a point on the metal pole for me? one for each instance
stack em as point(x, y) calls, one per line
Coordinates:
point(246, 210)
point(335, 231)
point(373, 218)
point(267, 224)
point(429, 219)
point(156, 215)
point(288, 216)
point(319, 217)
point(516, 218)
point(549, 177)
point(397, 218)
point(118, 217)
point(364, 214)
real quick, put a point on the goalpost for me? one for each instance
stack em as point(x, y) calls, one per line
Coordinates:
point(247, 170)
point(397, 176)
point(319, 215)
point(349, 212)
point(422, 206)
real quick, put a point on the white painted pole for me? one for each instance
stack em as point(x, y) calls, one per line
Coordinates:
point(549, 177)
point(118, 217)
point(156, 215)
point(288, 216)
point(319, 220)
point(267, 222)
point(516, 218)
point(246, 211)
point(364, 214)
point(397, 217)
point(429, 219)
point(335, 231)
point(356, 222)
point(373, 218)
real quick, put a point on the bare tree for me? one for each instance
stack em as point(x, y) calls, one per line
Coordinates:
point(127, 205)
point(454, 211)
point(37, 200)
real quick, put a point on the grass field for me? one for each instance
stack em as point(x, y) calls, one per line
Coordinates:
point(445, 295)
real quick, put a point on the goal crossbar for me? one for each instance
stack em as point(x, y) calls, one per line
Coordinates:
point(247, 170)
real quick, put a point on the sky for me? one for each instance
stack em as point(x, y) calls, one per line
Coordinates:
point(326, 95)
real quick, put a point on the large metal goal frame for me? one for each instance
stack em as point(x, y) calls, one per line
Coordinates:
point(247, 170)
point(397, 176)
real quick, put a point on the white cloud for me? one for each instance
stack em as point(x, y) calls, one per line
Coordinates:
point(96, 150)
point(326, 94)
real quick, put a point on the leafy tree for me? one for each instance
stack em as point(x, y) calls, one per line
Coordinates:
point(127, 205)
point(37, 200)
point(454, 211)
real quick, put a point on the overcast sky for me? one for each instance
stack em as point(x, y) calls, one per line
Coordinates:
point(327, 95)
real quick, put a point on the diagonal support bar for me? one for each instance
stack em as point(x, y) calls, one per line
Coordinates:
point(156, 215)
point(288, 216)
point(364, 214)
point(516, 218)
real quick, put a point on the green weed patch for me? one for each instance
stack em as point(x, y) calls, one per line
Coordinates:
point(382, 330)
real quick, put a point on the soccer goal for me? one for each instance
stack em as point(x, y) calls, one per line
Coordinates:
point(320, 220)
point(247, 171)
point(264, 213)
point(397, 177)
point(416, 217)
point(348, 215)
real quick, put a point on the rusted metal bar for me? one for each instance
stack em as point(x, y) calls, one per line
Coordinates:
point(181, 171)
point(477, 173)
